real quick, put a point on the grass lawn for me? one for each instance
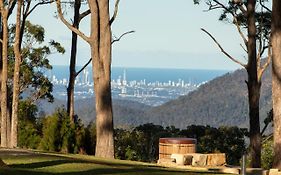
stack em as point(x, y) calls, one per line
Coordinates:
point(22, 162)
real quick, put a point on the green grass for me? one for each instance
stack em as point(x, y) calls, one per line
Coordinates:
point(35, 163)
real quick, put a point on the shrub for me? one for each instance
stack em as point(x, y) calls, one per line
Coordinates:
point(28, 134)
point(267, 154)
point(58, 133)
point(90, 138)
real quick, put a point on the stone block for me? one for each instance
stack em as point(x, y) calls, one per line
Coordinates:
point(274, 172)
point(167, 161)
point(179, 158)
point(182, 159)
point(216, 159)
point(256, 171)
point(199, 159)
point(188, 159)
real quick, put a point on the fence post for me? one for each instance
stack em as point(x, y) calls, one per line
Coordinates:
point(243, 166)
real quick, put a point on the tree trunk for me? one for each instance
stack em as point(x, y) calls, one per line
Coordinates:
point(276, 80)
point(255, 136)
point(100, 44)
point(254, 85)
point(72, 71)
point(4, 89)
point(1, 64)
point(101, 54)
point(16, 80)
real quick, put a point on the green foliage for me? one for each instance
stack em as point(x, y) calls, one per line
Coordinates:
point(142, 143)
point(150, 141)
point(34, 61)
point(57, 46)
point(267, 154)
point(80, 138)
point(35, 32)
point(231, 141)
point(58, 133)
point(50, 140)
point(90, 138)
point(28, 134)
point(129, 145)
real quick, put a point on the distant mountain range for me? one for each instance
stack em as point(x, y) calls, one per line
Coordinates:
point(222, 101)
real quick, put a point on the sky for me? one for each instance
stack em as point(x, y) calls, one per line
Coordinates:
point(167, 35)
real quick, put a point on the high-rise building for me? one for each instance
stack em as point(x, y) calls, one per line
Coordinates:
point(124, 82)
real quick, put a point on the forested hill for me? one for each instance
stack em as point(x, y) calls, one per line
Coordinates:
point(222, 101)
point(126, 113)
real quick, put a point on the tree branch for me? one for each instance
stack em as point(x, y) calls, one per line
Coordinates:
point(243, 48)
point(12, 5)
point(68, 25)
point(77, 73)
point(223, 51)
point(240, 31)
point(220, 5)
point(36, 5)
point(115, 12)
point(259, 54)
point(84, 14)
point(266, 64)
point(119, 38)
point(243, 10)
point(26, 9)
point(265, 6)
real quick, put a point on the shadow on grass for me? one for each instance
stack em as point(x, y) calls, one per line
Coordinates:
point(105, 171)
point(43, 164)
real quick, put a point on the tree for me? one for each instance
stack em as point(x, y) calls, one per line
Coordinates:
point(244, 14)
point(28, 70)
point(10, 109)
point(5, 121)
point(16, 80)
point(276, 80)
point(72, 71)
point(100, 43)
point(19, 32)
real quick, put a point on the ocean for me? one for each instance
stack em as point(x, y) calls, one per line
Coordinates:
point(148, 74)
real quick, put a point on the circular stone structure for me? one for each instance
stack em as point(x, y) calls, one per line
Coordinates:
point(169, 146)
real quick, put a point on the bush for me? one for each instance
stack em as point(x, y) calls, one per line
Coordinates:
point(80, 138)
point(58, 133)
point(28, 134)
point(51, 134)
point(267, 154)
point(90, 138)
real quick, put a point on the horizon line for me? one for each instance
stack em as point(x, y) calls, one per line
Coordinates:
point(178, 68)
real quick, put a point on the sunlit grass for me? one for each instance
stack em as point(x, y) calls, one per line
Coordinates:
point(35, 163)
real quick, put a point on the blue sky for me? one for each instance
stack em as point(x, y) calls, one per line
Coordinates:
point(167, 35)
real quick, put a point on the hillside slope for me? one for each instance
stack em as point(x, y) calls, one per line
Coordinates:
point(222, 101)
point(126, 113)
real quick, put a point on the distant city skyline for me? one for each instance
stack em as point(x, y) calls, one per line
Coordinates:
point(167, 35)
